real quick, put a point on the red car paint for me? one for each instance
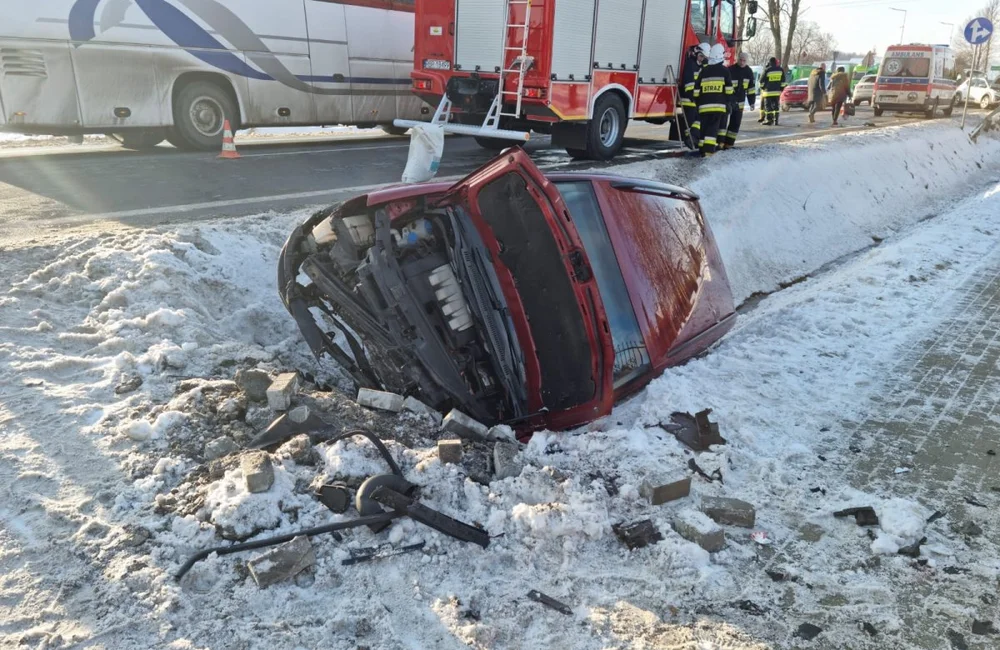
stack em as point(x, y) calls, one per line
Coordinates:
point(672, 268)
point(795, 96)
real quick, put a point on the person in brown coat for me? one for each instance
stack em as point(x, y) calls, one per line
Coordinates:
point(840, 88)
point(817, 91)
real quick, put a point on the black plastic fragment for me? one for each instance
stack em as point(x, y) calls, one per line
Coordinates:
point(983, 627)
point(638, 534)
point(863, 516)
point(972, 502)
point(550, 602)
point(937, 515)
point(808, 631)
point(751, 607)
point(368, 554)
point(335, 496)
point(869, 629)
point(913, 550)
point(711, 478)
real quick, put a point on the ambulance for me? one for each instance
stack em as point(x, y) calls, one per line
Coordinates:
point(916, 78)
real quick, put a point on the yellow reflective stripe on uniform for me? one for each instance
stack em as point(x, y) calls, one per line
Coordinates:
point(711, 141)
point(687, 103)
point(746, 84)
point(713, 108)
point(774, 76)
point(729, 90)
point(688, 86)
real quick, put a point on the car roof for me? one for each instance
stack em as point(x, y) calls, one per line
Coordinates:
point(799, 82)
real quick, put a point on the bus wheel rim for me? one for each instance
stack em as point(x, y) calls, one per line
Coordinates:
point(207, 116)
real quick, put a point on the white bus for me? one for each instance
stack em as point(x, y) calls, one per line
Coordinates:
point(149, 70)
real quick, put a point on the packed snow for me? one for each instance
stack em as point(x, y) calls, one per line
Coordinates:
point(116, 367)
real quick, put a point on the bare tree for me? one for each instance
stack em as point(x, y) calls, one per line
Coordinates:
point(759, 48)
point(810, 43)
point(991, 11)
point(791, 11)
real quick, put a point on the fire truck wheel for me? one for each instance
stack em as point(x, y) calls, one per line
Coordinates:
point(200, 111)
point(577, 154)
point(606, 130)
point(141, 140)
point(493, 144)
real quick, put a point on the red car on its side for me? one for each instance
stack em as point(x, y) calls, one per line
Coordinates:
point(795, 95)
point(517, 297)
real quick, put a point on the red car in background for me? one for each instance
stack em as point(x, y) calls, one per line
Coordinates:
point(795, 95)
point(516, 297)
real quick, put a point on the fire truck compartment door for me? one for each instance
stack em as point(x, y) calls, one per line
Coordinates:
point(663, 38)
point(479, 34)
point(573, 39)
point(617, 43)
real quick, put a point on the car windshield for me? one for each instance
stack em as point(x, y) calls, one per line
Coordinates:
point(631, 357)
point(906, 65)
point(870, 79)
point(800, 82)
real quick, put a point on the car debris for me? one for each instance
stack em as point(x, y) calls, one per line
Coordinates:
point(279, 395)
point(695, 431)
point(808, 631)
point(957, 640)
point(299, 420)
point(750, 607)
point(435, 292)
point(550, 602)
point(638, 534)
point(912, 550)
point(973, 502)
point(863, 516)
point(282, 562)
point(869, 629)
point(368, 554)
point(128, 384)
point(335, 496)
point(983, 628)
point(660, 494)
point(761, 537)
point(934, 517)
point(780, 576)
point(716, 474)
point(954, 570)
point(380, 399)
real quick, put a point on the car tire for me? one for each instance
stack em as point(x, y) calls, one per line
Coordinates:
point(984, 102)
point(878, 111)
point(785, 108)
point(947, 112)
point(930, 112)
point(493, 144)
point(200, 110)
point(142, 140)
point(606, 130)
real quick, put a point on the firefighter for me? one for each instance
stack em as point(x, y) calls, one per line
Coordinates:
point(695, 61)
point(713, 92)
point(774, 82)
point(743, 90)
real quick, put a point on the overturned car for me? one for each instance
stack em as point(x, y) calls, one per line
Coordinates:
point(516, 297)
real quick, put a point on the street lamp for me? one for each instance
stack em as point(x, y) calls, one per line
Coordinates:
point(903, 28)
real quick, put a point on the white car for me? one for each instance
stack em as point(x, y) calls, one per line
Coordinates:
point(864, 89)
point(979, 93)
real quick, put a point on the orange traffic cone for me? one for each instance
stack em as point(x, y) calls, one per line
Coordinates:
point(228, 148)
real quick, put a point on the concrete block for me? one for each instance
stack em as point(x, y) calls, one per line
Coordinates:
point(666, 492)
point(379, 399)
point(450, 451)
point(254, 383)
point(299, 449)
point(220, 447)
point(695, 527)
point(465, 427)
point(729, 512)
point(505, 463)
point(258, 473)
point(281, 391)
point(413, 405)
point(282, 562)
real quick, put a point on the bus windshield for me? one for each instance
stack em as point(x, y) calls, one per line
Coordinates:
point(906, 64)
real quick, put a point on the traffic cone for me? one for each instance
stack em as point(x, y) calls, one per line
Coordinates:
point(228, 148)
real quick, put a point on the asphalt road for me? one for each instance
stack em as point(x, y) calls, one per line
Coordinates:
point(78, 184)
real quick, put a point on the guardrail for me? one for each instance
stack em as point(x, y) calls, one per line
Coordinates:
point(990, 122)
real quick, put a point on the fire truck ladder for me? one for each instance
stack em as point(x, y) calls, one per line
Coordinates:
point(491, 125)
point(680, 118)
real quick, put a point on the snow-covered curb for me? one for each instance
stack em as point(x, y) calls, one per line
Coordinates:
point(783, 211)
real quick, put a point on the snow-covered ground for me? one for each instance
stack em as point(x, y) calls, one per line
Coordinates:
point(87, 473)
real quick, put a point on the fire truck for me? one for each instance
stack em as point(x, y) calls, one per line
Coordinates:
point(578, 69)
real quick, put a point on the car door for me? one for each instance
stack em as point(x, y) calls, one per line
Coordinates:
point(548, 282)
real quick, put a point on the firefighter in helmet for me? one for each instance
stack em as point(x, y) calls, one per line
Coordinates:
point(743, 90)
point(774, 81)
point(713, 91)
point(696, 59)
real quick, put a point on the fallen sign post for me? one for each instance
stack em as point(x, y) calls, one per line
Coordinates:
point(977, 32)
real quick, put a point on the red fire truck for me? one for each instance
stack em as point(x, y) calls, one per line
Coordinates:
point(578, 69)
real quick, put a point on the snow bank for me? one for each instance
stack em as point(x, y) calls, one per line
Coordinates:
point(783, 211)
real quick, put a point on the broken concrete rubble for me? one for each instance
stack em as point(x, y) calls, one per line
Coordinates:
point(638, 534)
point(379, 399)
point(254, 383)
point(299, 449)
point(450, 451)
point(696, 527)
point(413, 405)
point(505, 462)
point(282, 562)
point(281, 391)
point(659, 494)
point(220, 447)
point(258, 473)
point(730, 512)
point(465, 427)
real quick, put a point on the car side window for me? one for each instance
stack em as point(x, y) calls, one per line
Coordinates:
point(631, 357)
point(978, 83)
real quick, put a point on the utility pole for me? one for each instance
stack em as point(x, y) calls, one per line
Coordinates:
point(903, 28)
point(951, 30)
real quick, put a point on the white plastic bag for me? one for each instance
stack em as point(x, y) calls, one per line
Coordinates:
point(426, 147)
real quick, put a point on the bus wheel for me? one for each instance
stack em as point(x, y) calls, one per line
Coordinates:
point(200, 111)
point(878, 111)
point(606, 131)
point(141, 140)
point(493, 144)
point(394, 130)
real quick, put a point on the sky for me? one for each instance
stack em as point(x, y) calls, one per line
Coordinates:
point(859, 25)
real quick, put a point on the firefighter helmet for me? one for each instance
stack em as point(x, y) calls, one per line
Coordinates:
point(717, 55)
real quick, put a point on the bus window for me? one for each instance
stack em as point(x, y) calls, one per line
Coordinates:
point(699, 16)
point(727, 20)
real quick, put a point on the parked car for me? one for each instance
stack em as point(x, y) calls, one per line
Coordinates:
point(516, 297)
point(794, 95)
point(979, 93)
point(864, 90)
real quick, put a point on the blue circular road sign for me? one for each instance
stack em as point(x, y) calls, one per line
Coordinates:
point(978, 31)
